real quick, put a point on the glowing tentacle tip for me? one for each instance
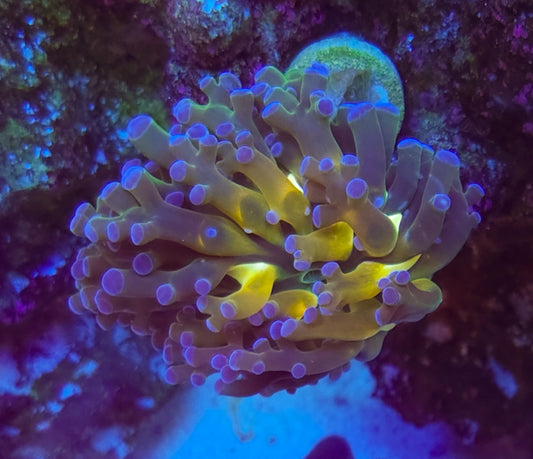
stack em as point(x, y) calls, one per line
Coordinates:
point(310, 315)
point(219, 361)
point(143, 264)
point(357, 244)
point(298, 370)
point(350, 160)
point(211, 326)
point(356, 188)
point(318, 287)
point(211, 232)
point(275, 329)
point(224, 129)
point(202, 286)
point(197, 131)
point(402, 277)
point(228, 310)
point(255, 319)
point(182, 111)
point(186, 338)
point(235, 359)
point(227, 375)
point(113, 281)
point(197, 379)
point(377, 318)
point(288, 327)
point(131, 178)
point(441, 202)
point(244, 154)
point(315, 217)
point(178, 170)
point(325, 165)
point(198, 194)
point(90, 232)
point(201, 303)
point(325, 107)
point(324, 298)
point(175, 198)
point(383, 282)
point(301, 265)
point(276, 149)
point(258, 367)
point(137, 233)
point(102, 303)
point(329, 268)
point(272, 217)
point(391, 296)
point(290, 244)
point(270, 310)
point(113, 232)
point(165, 294)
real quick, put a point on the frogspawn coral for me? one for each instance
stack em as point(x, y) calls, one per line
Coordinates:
point(273, 235)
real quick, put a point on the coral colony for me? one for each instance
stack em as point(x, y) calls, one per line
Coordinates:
point(273, 235)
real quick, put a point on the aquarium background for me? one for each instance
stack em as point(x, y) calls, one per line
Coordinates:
point(72, 73)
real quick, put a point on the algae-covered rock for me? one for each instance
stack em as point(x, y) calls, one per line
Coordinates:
point(359, 71)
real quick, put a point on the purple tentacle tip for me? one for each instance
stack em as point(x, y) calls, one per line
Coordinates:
point(228, 310)
point(275, 329)
point(350, 160)
point(276, 149)
point(325, 165)
point(324, 298)
point(198, 194)
point(218, 361)
point(402, 277)
point(325, 107)
point(356, 188)
point(301, 265)
point(113, 281)
point(290, 244)
point(272, 217)
point(186, 338)
point(182, 111)
point(270, 109)
point(175, 198)
point(258, 367)
point(298, 370)
point(137, 233)
point(448, 157)
point(256, 319)
point(329, 268)
point(113, 232)
point(210, 232)
point(288, 327)
point(270, 310)
point(224, 129)
point(235, 359)
point(244, 154)
point(138, 126)
point(441, 202)
point(228, 375)
point(310, 315)
point(391, 296)
point(202, 286)
point(197, 131)
point(197, 379)
point(143, 264)
point(165, 294)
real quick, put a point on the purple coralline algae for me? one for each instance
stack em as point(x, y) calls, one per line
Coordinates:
point(273, 234)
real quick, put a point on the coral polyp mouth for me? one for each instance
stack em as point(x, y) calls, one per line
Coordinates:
point(273, 235)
